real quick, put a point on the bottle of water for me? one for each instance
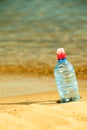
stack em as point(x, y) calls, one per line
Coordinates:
point(65, 78)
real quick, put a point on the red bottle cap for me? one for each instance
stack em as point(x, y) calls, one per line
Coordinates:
point(61, 54)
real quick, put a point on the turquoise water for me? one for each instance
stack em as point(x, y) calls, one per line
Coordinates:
point(34, 29)
point(37, 20)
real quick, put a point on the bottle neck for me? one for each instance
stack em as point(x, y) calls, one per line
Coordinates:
point(62, 60)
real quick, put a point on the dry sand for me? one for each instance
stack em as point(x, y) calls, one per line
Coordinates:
point(40, 111)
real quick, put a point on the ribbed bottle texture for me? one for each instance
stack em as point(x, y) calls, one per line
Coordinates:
point(65, 78)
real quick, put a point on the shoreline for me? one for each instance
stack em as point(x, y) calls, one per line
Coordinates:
point(39, 69)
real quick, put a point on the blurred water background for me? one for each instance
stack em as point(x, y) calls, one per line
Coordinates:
point(32, 30)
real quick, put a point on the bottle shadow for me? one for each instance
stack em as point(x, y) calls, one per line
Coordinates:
point(34, 102)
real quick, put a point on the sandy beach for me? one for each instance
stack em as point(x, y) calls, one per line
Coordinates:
point(30, 33)
point(28, 93)
point(40, 110)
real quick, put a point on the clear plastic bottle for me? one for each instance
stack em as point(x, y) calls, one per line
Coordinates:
point(65, 78)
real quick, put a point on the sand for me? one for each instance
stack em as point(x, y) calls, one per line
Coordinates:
point(41, 110)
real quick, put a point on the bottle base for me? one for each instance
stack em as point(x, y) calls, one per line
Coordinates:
point(70, 99)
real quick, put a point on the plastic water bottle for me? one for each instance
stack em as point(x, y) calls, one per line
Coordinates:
point(65, 78)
